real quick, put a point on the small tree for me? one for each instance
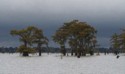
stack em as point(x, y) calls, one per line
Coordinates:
point(115, 43)
point(60, 37)
point(29, 36)
point(40, 40)
point(122, 40)
point(25, 36)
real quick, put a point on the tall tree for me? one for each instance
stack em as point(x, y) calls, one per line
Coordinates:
point(122, 39)
point(60, 37)
point(78, 34)
point(40, 40)
point(82, 34)
point(115, 43)
point(29, 36)
point(25, 36)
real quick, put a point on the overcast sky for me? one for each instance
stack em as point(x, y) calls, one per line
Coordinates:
point(107, 16)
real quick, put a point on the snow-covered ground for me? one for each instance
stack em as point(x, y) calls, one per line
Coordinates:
point(53, 64)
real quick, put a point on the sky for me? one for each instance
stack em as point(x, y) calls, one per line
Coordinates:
point(107, 16)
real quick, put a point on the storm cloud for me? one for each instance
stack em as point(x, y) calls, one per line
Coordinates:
point(107, 16)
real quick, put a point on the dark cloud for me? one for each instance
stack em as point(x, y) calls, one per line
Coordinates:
point(107, 16)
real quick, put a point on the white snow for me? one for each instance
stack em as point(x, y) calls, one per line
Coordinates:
point(53, 64)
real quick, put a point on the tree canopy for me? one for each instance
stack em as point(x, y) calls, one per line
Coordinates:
point(118, 41)
point(29, 36)
point(79, 35)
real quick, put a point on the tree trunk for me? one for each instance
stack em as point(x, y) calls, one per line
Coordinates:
point(39, 49)
point(71, 52)
point(84, 53)
point(78, 53)
point(25, 54)
point(40, 52)
point(25, 43)
point(91, 53)
point(116, 52)
point(78, 56)
point(63, 50)
point(75, 53)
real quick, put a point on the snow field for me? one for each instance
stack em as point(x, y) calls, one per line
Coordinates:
point(53, 64)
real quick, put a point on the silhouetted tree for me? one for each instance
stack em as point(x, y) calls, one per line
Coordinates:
point(40, 40)
point(115, 43)
point(60, 37)
point(79, 35)
point(29, 36)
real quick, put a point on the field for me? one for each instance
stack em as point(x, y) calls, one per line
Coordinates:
point(53, 64)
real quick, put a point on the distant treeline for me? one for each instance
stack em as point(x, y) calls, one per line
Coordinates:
point(56, 50)
point(44, 50)
point(8, 49)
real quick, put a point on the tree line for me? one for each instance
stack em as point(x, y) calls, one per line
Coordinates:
point(80, 36)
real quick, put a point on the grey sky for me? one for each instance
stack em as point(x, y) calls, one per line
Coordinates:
point(107, 16)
